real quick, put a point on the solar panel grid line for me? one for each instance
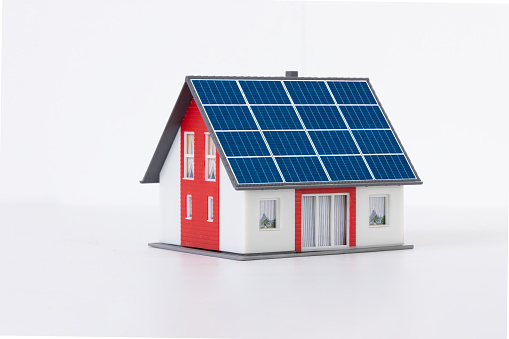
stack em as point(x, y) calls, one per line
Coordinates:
point(309, 129)
point(305, 155)
point(259, 129)
point(234, 130)
point(370, 129)
point(372, 154)
point(305, 130)
point(351, 134)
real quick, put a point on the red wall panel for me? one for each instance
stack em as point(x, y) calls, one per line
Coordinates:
point(198, 232)
point(298, 211)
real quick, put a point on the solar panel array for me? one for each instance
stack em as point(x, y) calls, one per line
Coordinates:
point(302, 131)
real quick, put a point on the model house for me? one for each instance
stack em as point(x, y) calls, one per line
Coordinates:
point(262, 164)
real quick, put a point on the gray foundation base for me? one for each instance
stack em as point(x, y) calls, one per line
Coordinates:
point(276, 255)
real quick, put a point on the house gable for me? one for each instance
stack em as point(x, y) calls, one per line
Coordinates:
point(169, 133)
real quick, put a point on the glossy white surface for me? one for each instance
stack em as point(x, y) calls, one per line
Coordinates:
point(87, 271)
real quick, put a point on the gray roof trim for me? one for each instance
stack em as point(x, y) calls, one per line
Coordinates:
point(169, 133)
point(199, 77)
point(231, 175)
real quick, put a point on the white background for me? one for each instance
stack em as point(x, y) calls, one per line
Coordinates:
point(87, 88)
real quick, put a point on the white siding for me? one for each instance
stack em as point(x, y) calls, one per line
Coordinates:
point(392, 232)
point(269, 240)
point(232, 236)
point(169, 193)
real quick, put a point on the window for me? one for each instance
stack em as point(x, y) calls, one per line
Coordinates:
point(378, 211)
point(189, 205)
point(189, 155)
point(268, 217)
point(324, 220)
point(210, 214)
point(210, 158)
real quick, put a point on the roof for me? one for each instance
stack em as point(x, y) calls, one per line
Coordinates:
point(293, 132)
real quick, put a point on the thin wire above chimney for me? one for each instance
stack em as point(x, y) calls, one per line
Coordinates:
point(292, 74)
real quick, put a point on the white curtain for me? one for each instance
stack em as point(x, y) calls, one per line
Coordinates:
point(190, 167)
point(377, 210)
point(308, 221)
point(212, 168)
point(340, 220)
point(324, 220)
point(268, 214)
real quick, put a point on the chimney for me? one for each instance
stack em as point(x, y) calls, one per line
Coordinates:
point(292, 74)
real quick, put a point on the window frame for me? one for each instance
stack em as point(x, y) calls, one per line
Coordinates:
point(189, 207)
point(387, 216)
point(210, 209)
point(331, 211)
point(278, 223)
point(188, 155)
point(209, 156)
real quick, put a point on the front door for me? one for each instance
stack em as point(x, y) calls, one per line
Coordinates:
point(324, 221)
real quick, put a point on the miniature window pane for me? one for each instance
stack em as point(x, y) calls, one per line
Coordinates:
point(340, 220)
point(210, 209)
point(324, 220)
point(377, 210)
point(189, 156)
point(211, 169)
point(190, 144)
point(211, 149)
point(190, 168)
point(308, 221)
point(211, 159)
point(189, 207)
point(268, 214)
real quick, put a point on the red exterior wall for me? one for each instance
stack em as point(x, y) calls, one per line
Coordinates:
point(198, 232)
point(298, 211)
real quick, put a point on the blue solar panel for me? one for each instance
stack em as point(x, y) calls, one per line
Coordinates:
point(242, 144)
point(333, 142)
point(309, 92)
point(376, 142)
point(363, 117)
point(230, 118)
point(346, 168)
point(301, 169)
point(268, 107)
point(351, 92)
point(264, 92)
point(289, 143)
point(390, 167)
point(321, 117)
point(276, 117)
point(218, 92)
point(255, 170)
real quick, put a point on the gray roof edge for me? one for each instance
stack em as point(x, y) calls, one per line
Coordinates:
point(205, 77)
point(168, 136)
point(330, 184)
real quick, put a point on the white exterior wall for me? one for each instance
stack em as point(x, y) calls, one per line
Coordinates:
point(232, 236)
point(169, 195)
point(270, 240)
point(392, 232)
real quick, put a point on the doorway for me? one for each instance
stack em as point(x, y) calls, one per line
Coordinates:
point(324, 221)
